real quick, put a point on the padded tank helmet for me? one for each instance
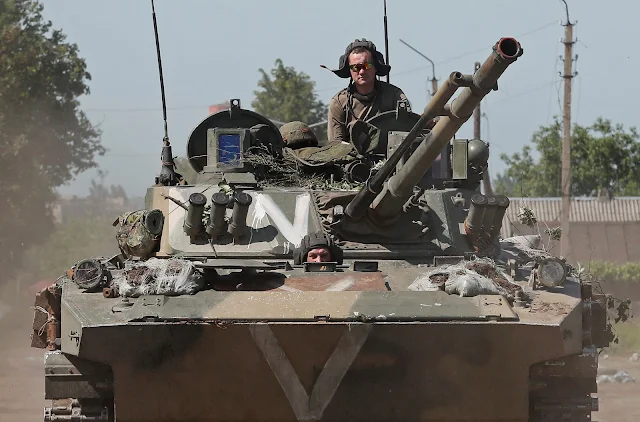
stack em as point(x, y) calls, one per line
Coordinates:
point(316, 240)
point(382, 69)
point(298, 135)
point(478, 154)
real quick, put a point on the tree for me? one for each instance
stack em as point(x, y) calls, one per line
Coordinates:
point(117, 191)
point(45, 140)
point(287, 96)
point(99, 192)
point(603, 156)
point(83, 237)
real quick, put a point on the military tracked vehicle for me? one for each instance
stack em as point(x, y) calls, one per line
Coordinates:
point(209, 314)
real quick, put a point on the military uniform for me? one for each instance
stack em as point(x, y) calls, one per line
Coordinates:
point(348, 105)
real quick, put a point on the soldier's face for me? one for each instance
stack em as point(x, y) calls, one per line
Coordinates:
point(361, 75)
point(319, 255)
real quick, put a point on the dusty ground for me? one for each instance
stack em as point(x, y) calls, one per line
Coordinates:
point(22, 390)
point(619, 402)
point(21, 372)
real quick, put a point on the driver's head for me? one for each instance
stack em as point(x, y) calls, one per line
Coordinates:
point(317, 247)
point(320, 254)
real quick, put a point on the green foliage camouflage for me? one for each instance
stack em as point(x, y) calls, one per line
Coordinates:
point(603, 155)
point(45, 140)
point(628, 335)
point(288, 95)
point(98, 191)
point(605, 275)
point(613, 272)
point(289, 172)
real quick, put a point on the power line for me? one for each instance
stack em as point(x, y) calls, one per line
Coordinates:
point(480, 50)
point(147, 109)
point(132, 155)
point(194, 107)
point(450, 59)
point(524, 92)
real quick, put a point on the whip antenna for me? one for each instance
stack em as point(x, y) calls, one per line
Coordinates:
point(386, 36)
point(164, 102)
point(167, 177)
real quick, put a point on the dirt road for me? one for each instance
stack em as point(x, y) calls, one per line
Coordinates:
point(22, 385)
point(21, 372)
point(619, 402)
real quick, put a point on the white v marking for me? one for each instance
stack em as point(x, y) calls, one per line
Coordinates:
point(292, 232)
point(312, 407)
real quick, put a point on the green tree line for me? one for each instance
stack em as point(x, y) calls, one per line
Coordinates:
point(603, 156)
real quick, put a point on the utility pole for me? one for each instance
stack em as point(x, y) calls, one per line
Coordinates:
point(486, 180)
point(434, 81)
point(565, 243)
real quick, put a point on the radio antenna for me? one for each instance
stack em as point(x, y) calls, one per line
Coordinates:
point(167, 177)
point(386, 37)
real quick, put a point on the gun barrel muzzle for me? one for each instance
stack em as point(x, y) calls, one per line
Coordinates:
point(358, 206)
point(399, 188)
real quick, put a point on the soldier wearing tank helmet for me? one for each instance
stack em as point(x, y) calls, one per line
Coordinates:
point(366, 96)
point(317, 247)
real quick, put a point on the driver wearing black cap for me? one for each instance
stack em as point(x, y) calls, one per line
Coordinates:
point(366, 96)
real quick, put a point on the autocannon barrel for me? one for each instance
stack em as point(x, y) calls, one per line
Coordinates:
point(361, 202)
point(400, 186)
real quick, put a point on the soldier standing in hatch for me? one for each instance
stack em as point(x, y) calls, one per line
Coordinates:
point(366, 96)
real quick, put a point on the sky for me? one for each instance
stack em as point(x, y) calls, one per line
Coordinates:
point(212, 50)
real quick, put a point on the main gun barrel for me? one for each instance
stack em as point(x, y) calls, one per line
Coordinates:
point(400, 186)
point(358, 206)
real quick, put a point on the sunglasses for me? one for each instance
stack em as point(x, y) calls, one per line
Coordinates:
point(358, 66)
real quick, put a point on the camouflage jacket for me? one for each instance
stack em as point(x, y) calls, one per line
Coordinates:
point(345, 108)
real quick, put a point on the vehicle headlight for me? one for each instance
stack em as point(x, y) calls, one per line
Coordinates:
point(552, 272)
point(88, 274)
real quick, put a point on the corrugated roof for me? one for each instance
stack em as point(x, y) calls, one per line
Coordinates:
point(620, 209)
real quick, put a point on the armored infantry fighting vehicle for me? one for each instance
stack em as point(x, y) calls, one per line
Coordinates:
point(212, 313)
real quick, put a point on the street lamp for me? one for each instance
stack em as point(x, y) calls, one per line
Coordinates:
point(434, 81)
